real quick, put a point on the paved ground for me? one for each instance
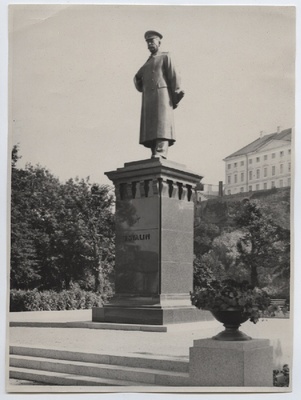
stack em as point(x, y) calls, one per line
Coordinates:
point(175, 342)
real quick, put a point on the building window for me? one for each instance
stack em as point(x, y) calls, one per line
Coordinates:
point(265, 172)
point(289, 167)
point(250, 188)
point(258, 173)
point(281, 153)
point(235, 164)
point(235, 178)
point(281, 168)
point(257, 186)
point(273, 155)
point(281, 183)
point(250, 160)
point(229, 191)
point(265, 186)
point(289, 181)
point(257, 159)
point(242, 177)
point(289, 151)
point(242, 163)
point(250, 174)
point(273, 170)
point(229, 166)
point(229, 179)
point(242, 189)
point(273, 184)
point(265, 157)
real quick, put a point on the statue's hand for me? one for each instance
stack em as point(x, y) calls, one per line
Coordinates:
point(178, 96)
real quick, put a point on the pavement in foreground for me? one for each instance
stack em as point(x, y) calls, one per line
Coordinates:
point(175, 342)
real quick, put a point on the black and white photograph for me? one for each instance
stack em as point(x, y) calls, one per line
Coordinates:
point(151, 176)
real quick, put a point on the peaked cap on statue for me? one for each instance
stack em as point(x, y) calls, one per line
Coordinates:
point(152, 34)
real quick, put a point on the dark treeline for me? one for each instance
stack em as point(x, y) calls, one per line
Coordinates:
point(61, 233)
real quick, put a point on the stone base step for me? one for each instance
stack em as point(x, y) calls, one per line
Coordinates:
point(126, 370)
point(89, 325)
point(62, 379)
point(149, 315)
point(165, 363)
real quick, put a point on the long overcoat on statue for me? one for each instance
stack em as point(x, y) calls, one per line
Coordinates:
point(159, 83)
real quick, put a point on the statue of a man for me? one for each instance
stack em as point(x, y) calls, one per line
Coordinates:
point(159, 83)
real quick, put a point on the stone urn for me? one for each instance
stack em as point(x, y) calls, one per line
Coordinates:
point(232, 319)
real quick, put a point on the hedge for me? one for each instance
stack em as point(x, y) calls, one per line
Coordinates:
point(49, 300)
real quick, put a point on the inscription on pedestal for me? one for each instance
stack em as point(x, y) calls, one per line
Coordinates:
point(135, 237)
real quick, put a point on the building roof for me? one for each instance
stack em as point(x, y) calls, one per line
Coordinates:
point(258, 143)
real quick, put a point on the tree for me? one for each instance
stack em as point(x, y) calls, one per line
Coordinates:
point(89, 225)
point(207, 267)
point(263, 244)
point(24, 258)
point(247, 241)
point(204, 234)
point(225, 249)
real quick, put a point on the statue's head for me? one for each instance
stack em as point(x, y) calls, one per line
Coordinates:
point(153, 40)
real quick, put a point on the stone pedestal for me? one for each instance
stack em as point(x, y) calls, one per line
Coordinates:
point(239, 363)
point(154, 245)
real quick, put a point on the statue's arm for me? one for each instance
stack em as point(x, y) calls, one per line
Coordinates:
point(138, 81)
point(174, 81)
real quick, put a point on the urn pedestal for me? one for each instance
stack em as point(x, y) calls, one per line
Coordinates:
point(154, 245)
point(231, 363)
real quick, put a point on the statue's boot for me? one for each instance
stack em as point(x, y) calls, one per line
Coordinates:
point(160, 148)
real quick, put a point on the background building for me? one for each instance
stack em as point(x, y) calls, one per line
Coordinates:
point(262, 164)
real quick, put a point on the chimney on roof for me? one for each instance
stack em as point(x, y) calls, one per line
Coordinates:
point(220, 188)
point(278, 129)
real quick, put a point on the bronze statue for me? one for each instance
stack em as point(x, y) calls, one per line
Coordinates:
point(159, 83)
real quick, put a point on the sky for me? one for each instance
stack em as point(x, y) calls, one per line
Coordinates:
point(73, 105)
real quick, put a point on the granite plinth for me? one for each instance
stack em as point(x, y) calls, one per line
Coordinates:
point(154, 244)
point(149, 315)
point(239, 363)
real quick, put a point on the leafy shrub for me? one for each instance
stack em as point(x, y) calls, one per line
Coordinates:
point(49, 300)
point(92, 300)
point(228, 294)
point(32, 299)
point(17, 300)
point(281, 378)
